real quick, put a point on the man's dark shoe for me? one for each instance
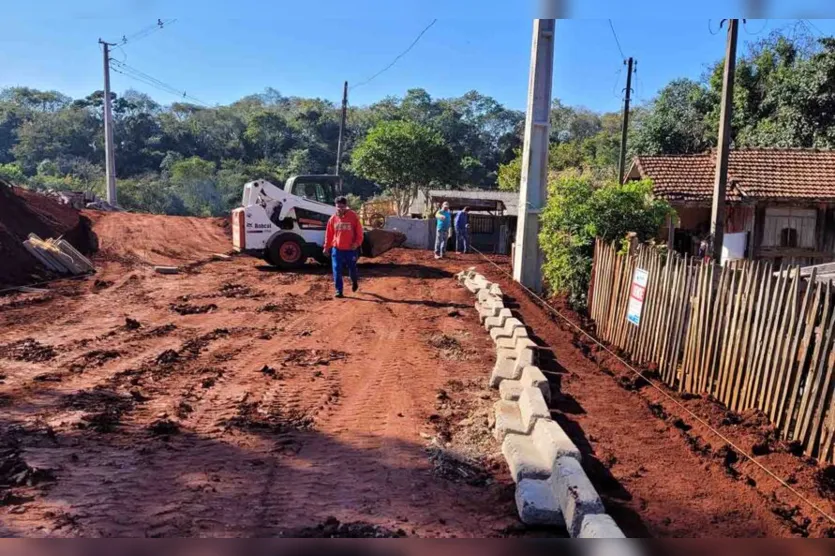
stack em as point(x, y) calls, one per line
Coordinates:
point(338, 294)
point(354, 287)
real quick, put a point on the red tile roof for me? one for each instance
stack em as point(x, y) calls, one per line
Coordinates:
point(752, 174)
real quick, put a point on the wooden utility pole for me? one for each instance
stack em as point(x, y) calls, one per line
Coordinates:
point(622, 164)
point(342, 127)
point(720, 180)
point(527, 256)
point(109, 154)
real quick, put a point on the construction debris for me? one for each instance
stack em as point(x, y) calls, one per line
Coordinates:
point(167, 269)
point(58, 255)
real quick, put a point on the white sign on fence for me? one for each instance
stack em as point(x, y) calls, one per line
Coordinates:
point(636, 296)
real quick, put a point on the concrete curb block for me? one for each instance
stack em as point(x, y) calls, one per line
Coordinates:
point(600, 526)
point(536, 504)
point(552, 443)
point(498, 320)
point(551, 486)
point(523, 458)
point(510, 389)
point(532, 376)
point(508, 420)
point(506, 331)
point(510, 343)
point(532, 407)
point(575, 494)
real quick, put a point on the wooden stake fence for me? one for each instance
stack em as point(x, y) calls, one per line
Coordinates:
point(749, 335)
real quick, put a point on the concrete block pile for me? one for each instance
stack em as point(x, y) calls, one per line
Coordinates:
point(551, 486)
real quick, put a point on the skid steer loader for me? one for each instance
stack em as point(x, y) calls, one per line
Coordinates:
point(286, 226)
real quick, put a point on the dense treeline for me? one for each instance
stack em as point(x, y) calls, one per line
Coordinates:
point(188, 159)
point(784, 97)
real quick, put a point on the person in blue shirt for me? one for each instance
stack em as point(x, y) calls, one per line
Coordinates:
point(444, 219)
point(462, 230)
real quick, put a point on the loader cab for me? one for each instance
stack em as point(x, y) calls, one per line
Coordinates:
point(321, 189)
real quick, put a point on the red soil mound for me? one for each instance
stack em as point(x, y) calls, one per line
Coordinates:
point(23, 212)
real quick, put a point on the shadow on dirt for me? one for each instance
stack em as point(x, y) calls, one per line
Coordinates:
point(426, 303)
point(183, 484)
point(368, 269)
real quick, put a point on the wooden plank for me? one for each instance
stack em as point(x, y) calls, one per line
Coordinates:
point(762, 309)
point(664, 300)
point(682, 312)
point(691, 345)
point(806, 374)
point(742, 367)
point(669, 323)
point(826, 450)
point(781, 409)
point(644, 330)
point(704, 329)
point(613, 313)
point(775, 313)
point(718, 311)
point(732, 348)
point(730, 305)
point(787, 306)
point(686, 311)
point(810, 433)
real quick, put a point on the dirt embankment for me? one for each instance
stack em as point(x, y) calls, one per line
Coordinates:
point(660, 472)
point(23, 212)
point(150, 239)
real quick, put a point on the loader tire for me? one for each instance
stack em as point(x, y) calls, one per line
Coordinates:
point(286, 251)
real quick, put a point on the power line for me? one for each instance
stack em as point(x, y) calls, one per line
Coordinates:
point(808, 22)
point(144, 32)
point(388, 67)
point(133, 73)
point(710, 28)
point(745, 26)
point(614, 34)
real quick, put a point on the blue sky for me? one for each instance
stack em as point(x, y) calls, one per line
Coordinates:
point(219, 51)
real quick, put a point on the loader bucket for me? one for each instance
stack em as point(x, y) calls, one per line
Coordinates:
point(377, 242)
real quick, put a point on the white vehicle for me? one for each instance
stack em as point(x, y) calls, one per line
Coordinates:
point(287, 226)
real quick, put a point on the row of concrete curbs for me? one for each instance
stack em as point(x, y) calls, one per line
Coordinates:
point(551, 486)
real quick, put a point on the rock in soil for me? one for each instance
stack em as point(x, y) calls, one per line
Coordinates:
point(331, 528)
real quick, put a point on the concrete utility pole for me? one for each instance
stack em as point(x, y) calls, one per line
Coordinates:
point(109, 155)
point(527, 260)
point(622, 164)
point(720, 180)
point(342, 127)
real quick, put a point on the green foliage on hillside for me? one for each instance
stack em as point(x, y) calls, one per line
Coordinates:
point(188, 159)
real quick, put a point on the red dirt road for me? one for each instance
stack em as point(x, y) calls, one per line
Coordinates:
point(236, 400)
point(233, 400)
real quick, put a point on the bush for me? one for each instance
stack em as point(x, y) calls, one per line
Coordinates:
point(577, 211)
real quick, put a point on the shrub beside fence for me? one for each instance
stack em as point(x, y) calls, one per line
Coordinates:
point(750, 335)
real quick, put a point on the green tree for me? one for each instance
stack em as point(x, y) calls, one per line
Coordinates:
point(577, 211)
point(510, 174)
point(676, 122)
point(193, 180)
point(404, 157)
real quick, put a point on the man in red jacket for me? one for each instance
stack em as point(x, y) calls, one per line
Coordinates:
point(342, 241)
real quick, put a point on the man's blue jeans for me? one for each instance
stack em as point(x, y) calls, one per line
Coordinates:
point(440, 241)
point(462, 239)
point(340, 259)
